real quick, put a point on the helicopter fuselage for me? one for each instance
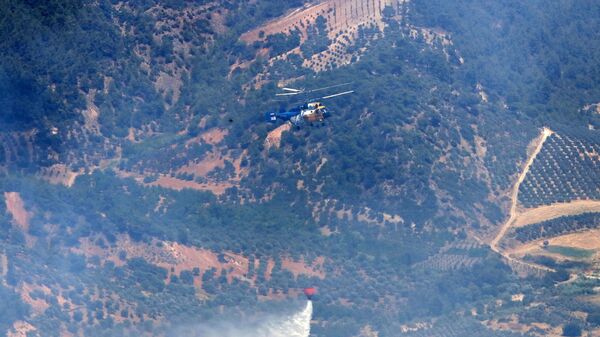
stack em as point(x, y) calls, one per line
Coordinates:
point(307, 113)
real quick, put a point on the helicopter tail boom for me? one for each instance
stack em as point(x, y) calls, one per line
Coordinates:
point(271, 117)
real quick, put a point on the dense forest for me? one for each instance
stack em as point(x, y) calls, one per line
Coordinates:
point(384, 205)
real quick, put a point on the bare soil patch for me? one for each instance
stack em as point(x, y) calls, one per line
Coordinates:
point(513, 324)
point(175, 258)
point(301, 268)
point(543, 213)
point(91, 113)
point(344, 20)
point(585, 240)
point(274, 137)
point(179, 184)
point(38, 305)
point(533, 149)
point(588, 240)
point(16, 207)
point(20, 329)
point(172, 256)
point(59, 174)
point(214, 136)
point(199, 169)
point(269, 269)
point(285, 23)
point(203, 167)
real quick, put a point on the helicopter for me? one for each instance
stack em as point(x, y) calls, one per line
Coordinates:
point(309, 112)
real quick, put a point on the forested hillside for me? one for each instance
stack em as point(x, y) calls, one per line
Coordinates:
point(140, 193)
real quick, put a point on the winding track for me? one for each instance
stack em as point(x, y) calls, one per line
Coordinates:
point(513, 207)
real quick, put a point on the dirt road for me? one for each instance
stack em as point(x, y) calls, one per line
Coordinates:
point(494, 245)
point(515, 192)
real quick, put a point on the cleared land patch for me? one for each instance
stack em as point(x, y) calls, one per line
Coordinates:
point(274, 136)
point(558, 226)
point(573, 252)
point(535, 215)
point(16, 207)
point(177, 258)
point(536, 145)
point(329, 34)
point(556, 194)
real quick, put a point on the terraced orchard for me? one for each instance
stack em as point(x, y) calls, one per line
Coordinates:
point(557, 193)
point(455, 256)
point(456, 328)
point(557, 226)
point(566, 169)
point(332, 33)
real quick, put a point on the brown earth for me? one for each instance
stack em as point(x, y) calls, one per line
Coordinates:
point(91, 113)
point(526, 216)
point(284, 24)
point(179, 184)
point(59, 174)
point(16, 207)
point(589, 240)
point(201, 168)
point(269, 269)
point(533, 149)
point(301, 268)
point(344, 19)
point(584, 240)
point(38, 305)
point(198, 167)
point(172, 256)
point(175, 258)
point(274, 136)
point(20, 329)
point(169, 255)
point(214, 136)
point(534, 215)
point(514, 325)
point(340, 14)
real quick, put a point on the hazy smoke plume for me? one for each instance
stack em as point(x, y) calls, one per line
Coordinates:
point(293, 325)
point(297, 325)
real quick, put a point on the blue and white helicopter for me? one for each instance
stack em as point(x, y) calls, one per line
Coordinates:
point(308, 113)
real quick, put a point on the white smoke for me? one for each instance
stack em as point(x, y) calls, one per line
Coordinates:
point(289, 325)
point(297, 325)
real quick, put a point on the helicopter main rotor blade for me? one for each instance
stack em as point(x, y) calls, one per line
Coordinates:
point(338, 94)
point(293, 92)
point(291, 89)
point(328, 87)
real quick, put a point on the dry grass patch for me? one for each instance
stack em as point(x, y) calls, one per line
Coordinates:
point(543, 213)
point(575, 246)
